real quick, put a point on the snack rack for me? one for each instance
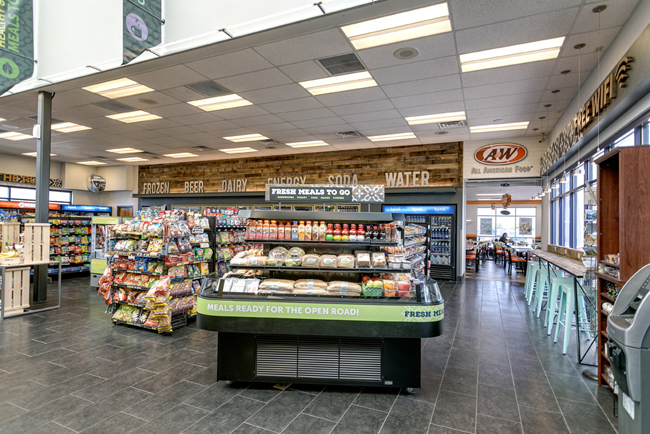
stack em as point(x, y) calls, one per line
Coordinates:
point(142, 259)
point(335, 335)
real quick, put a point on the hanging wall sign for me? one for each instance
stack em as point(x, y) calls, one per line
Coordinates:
point(16, 42)
point(500, 154)
point(141, 27)
point(314, 193)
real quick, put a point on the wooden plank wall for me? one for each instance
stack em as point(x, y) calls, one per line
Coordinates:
point(443, 161)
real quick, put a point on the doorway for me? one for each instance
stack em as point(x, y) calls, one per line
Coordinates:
point(125, 211)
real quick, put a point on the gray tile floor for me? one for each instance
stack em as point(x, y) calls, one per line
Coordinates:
point(493, 371)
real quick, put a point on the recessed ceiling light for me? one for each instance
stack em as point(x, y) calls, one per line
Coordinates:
point(238, 150)
point(124, 151)
point(339, 83)
point(399, 27)
point(131, 117)
point(439, 117)
point(501, 127)
point(147, 101)
point(118, 88)
point(440, 133)
point(388, 137)
point(181, 155)
point(512, 55)
point(132, 159)
point(91, 163)
point(247, 138)
point(15, 136)
point(68, 127)
point(220, 102)
point(311, 144)
point(34, 154)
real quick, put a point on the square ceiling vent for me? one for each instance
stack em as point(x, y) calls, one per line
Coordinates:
point(450, 125)
point(342, 64)
point(201, 148)
point(209, 88)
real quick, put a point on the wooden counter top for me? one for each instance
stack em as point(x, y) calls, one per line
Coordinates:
point(571, 266)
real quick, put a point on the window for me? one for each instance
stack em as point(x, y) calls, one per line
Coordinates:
point(4, 193)
point(520, 224)
point(64, 197)
point(23, 194)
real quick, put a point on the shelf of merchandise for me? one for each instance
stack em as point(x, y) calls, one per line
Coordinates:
point(419, 243)
point(321, 269)
point(297, 243)
point(620, 223)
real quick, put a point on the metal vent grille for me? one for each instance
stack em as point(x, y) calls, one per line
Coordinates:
point(269, 142)
point(327, 358)
point(443, 273)
point(209, 88)
point(349, 134)
point(318, 358)
point(360, 360)
point(115, 106)
point(342, 64)
point(54, 121)
point(276, 356)
point(454, 124)
point(201, 148)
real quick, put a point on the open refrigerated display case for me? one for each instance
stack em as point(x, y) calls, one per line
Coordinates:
point(328, 310)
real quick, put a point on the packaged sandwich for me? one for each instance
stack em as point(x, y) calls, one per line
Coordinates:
point(328, 261)
point(309, 284)
point(345, 261)
point(276, 286)
point(379, 260)
point(294, 257)
point(277, 256)
point(363, 259)
point(310, 260)
point(344, 288)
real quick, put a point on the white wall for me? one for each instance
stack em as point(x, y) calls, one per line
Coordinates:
point(25, 166)
point(532, 145)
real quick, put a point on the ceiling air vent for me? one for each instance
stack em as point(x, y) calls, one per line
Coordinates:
point(349, 134)
point(342, 64)
point(201, 148)
point(54, 121)
point(150, 155)
point(209, 88)
point(454, 124)
point(115, 106)
point(269, 143)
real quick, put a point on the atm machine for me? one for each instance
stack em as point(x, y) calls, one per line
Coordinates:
point(628, 349)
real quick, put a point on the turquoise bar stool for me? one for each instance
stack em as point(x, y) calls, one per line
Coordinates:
point(566, 313)
point(541, 291)
point(531, 280)
point(553, 298)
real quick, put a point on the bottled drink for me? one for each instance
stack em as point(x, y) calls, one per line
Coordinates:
point(308, 231)
point(345, 233)
point(353, 232)
point(273, 230)
point(361, 234)
point(329, 232)
point(375, 233)
point(382, 233)
point(337, 232)
point(294, 231)
point(266, 228)
point(280, 231)
point(322, 230)
point(301, 231)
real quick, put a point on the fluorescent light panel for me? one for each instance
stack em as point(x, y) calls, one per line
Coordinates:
point(339, 83)
point(91, 163)
point(118, 88)
point(246, 138)
point(124, 150)
point(131, 117)
point(311, 144)
point(13, 135)
point(488, 194)
point(181, 155)
point(132, 159)
point(399, 27)
point(220, 102)
point(34, 154)
point(488, 199)
point(512, 55)
point(69, 127)
point(439, 117)
point(388, 137)
point(238, 150)
point(499, 127)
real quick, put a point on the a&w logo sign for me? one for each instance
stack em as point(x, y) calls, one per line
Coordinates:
point(500, 154)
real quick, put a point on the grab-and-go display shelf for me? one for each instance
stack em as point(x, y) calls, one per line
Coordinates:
point(326, 311)
point(155, 269)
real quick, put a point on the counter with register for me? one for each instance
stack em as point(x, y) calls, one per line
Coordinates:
point(319, 325)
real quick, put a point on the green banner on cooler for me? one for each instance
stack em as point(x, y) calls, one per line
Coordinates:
point(141, 27)
point(97, 266)
point(16, 42)
point(106, 220)
point(321, 311)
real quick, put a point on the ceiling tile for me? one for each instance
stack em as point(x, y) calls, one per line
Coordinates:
point(587, 63)
point(166, 78)
point(329, 130)
point(428, 98)
point(352, 96)
point(122, 129)
point(369, 125)
point(161, 98)
point(99, 122)
point(10, 112)
point(273, 128)
point(177, 131)
point(423, 86)
point(289, 134)
point(200, 118)
point(80, 113)
point(234, 63)
point(362, 117)
point(615, 15)
point(146, 134)
point(242, 112)
point(292, 105)
point(513, 32)
point(158, 124)
point(303, 71)
point(334, 120)
point(591, 40)
point(506, 100)
point(255, 80)
point(258, 120)
point(182, 93)
point(512, 87)
point(455, 106)
point(364, 107)
point(215, 126)
point(501, 111)
point(431, 47)
point(278, 93)
point(307, 47)
point(76, 97)
point(416, 70)
point(472, 13)
point(180, 109)
point(306, 114)
point(508, 73)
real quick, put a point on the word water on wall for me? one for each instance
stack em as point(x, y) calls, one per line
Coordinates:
point(407, 179)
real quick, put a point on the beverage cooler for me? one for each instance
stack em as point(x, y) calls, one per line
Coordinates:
point(439, 224)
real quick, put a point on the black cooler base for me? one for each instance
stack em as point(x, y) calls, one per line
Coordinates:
point(388, 362)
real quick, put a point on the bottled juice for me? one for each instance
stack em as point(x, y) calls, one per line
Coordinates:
point(322, 231)
point(281, 231)
point(249, 225)
point(329, 232)
point(301, 231)
point(353, 232)
point(337, 232)
point(308, 231)
point(266, 228)
point(345, 233)
point(273, 230)
point(361, 234)
point(294, 231)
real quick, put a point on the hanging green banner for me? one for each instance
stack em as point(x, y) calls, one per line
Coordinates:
point(16, 42)
point(141, 27)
